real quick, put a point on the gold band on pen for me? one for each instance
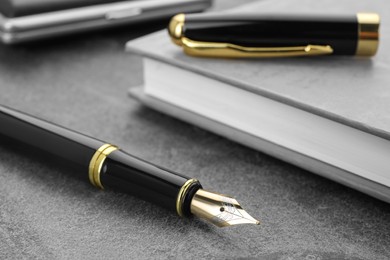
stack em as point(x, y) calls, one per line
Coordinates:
point(95, 166)
point(182, 194)
point(368, 34)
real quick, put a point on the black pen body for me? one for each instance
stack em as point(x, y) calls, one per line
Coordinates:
point(355, 34)
point(72, 147)
point(124, 172)
point(105, 165)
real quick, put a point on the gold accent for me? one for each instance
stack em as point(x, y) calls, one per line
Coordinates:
point(175, 28)
point(96, 163)
point(181, 196)
point(368, 39)
point(228, 50)
point(221, 210)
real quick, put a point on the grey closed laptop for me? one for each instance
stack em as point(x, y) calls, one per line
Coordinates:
point(26, 20)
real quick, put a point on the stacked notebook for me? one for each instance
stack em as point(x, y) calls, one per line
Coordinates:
point(329, 115)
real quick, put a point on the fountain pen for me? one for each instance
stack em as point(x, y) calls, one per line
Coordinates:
point(275, 35)
point(107, 166)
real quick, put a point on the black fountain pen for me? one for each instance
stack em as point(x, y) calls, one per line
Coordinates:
point(271, 35)
point(109, 167)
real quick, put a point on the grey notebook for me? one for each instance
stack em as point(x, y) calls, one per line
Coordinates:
point(346, 93)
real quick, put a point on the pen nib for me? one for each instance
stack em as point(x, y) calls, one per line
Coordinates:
point(219, 209)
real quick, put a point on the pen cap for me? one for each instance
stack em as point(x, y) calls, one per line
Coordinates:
point(275, 35)
point(368, 34)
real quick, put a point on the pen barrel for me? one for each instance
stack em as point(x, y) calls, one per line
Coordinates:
point(73, 148)
point(126, 173)
point(103, 164)
point(346, 35)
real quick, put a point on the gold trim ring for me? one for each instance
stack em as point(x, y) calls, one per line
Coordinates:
point(368, 38)
point(95, 166)
point(182, 194)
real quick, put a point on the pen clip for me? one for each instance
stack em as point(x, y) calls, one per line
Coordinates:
point(228, 50)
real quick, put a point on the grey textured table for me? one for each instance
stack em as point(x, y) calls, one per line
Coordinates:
point(82, 83)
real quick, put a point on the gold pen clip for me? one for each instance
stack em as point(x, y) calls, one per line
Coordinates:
point(228, 50)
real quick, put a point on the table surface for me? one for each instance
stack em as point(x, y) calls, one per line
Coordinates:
point(81, 82)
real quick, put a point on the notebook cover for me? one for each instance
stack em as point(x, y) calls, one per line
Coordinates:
point(350, 90)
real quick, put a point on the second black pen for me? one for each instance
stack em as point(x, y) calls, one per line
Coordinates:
point(106, 166)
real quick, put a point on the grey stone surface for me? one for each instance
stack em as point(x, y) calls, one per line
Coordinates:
point(46, 213)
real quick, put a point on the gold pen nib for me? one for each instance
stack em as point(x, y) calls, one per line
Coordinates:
point(219, 209)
